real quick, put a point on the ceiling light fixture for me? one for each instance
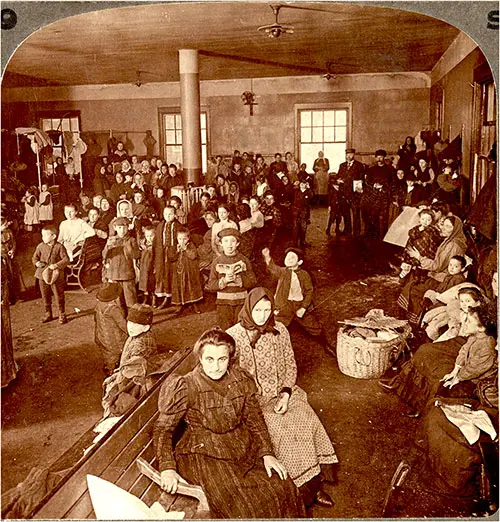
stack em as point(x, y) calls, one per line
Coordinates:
point(276, 30)
point(249, 97)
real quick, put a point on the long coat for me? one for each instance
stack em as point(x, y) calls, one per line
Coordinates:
point(164, 247)
point(186, 283)
point(110, 331)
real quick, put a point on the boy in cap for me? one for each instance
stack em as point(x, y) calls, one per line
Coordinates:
point(120, 257)
point(141, 342)
point(50, 258)
point(294, 294)
point(110, 325)
point(231, 276)
point(130, 381)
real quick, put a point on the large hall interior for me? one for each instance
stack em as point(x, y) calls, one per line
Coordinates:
point(162, 163)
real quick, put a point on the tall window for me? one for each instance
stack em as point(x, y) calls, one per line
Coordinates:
point(326, 129)
point(58, 129)
point(172, 138)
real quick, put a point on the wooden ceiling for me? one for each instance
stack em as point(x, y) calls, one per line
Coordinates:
point(110, 46)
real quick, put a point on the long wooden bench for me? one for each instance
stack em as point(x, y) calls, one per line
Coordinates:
point(114, 459)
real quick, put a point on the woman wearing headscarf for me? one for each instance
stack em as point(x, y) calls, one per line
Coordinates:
point(299, 439)
point(407, 153)
point(225, 447)
point(321, 167)
point(106, 214)
point(123, 209)
point(454, 244)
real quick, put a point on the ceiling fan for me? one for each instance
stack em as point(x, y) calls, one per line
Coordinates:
point(276, 30)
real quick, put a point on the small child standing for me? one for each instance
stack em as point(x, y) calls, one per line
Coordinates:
point(231, 276)
point(294, 295)
point(50, 259)
point(186, 283)
point(180, 213)
point(31, 209)
point(120, 256)
point(110, 325)
point(425, 238)
point(146, 272)
point(159, 203)
point(46, 212)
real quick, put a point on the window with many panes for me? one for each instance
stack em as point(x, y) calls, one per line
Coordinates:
point(324, 129)
point(60, 130)
point(172, 138)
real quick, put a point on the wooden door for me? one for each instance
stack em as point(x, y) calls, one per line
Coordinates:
point(484, 129)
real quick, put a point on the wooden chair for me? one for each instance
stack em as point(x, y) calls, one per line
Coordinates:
point(89, 261)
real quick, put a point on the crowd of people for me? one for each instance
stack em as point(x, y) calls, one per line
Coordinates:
point(250, 425)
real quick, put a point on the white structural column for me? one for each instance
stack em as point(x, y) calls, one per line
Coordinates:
point(190, 112)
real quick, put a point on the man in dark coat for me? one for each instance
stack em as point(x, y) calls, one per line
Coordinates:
point(277, 170)
point(376, 196)
point(174, 179)
point(350, 193)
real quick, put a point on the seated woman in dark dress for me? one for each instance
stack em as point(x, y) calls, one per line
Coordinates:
point(226, 447)
point(452, 462)
point(460, 361)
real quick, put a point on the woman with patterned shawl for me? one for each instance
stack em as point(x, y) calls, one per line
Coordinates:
point(299, 439)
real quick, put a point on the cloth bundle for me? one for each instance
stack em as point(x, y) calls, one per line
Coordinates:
point(469, 422)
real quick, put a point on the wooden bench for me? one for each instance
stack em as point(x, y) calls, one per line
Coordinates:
point(115, 458)
point(88, 264)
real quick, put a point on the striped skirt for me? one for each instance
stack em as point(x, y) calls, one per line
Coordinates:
point(236, 492)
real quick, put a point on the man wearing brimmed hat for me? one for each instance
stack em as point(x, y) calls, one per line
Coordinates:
point(231, 276)
point(351, 177)
point(120, 257)
point(376, 196)
point(50, 259)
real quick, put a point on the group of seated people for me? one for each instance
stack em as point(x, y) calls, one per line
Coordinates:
point(451, 378)
point(246, 427)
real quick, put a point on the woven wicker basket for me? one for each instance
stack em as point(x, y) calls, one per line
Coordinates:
point(364, 359)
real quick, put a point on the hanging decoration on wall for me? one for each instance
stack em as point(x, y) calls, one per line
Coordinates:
point(249, 98)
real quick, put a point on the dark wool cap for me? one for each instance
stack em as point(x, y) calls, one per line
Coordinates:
point(140, 314)
point(229, 232)
point(122, 221)
point(381, 152)
point(109, 292)
point(298, 251)
point(352, 151)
